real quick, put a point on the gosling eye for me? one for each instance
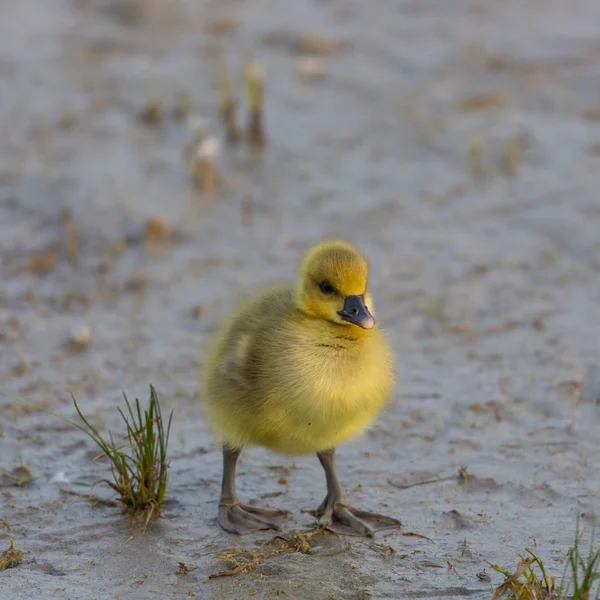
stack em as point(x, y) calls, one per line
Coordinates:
point(326, 287)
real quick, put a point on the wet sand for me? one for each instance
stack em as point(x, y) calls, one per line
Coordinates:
point(459, 150)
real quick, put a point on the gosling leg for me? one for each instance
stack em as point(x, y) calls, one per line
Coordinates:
point(334, 510)
point(235, 516)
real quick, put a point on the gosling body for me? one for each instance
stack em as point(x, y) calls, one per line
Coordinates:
point(298, 370)
point(294, 383)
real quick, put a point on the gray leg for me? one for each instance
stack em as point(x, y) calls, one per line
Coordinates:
point(334, 510)
point(235, 516)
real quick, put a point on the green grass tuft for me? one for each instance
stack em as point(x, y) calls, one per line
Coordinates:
point(530, 580)
point(139, 468)
point(582, 572)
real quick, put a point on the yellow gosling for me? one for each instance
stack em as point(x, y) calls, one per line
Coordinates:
point(299, 370)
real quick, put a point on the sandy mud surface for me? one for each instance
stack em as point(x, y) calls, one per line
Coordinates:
point(457, 143)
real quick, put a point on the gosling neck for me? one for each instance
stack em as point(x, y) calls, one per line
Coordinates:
point(353, 332)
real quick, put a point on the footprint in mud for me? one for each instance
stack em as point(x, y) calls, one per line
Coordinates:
point(49, 569)
point(473, 484)
point(456, 592)
point(457, 520)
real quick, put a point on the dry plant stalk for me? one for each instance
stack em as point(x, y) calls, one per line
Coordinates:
point(182, 569)
point(203, 164)
point(156, 230)
point(11, 557)
point(483, 101)
point(228, 105)
point(91, 497)
point(17, 477)
point(244, 560)
point(512, 154)
point(71, 237)
point(475, 156)
point(153, 113)
point(255, 101)
point(156, 227)
point(43, 262)
point(512, 583)
point(182, 107)
point(581, 575)
point(241, 560)
point(204, 172)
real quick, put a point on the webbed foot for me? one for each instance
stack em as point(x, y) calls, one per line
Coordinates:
point(341, 518)
point(240, 518)
point(336, 515)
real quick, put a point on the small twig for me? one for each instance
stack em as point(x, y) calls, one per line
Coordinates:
point(461, 476)
point(91, 497)
point(417, 535)
point(405, 486)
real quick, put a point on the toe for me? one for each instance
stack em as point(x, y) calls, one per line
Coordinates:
point(233, 525)
point(325, 517)
point(234, 519)
point(252, 520)
point(334, 514)
point(375, 520)
point(347, 518)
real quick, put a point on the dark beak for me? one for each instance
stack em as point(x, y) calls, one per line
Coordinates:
point(356, 312)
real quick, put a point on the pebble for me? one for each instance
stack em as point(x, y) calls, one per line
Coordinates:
point(312, 68)
point(80, 337)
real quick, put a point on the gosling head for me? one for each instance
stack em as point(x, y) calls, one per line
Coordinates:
point(332, 285)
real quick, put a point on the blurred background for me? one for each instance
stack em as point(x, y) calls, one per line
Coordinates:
point(161, 160)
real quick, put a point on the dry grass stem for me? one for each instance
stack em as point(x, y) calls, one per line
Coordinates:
point(228, 105)
point(71, 237)
point(96, 500)
point(11, 557)
point(255, 101)
point(153, 113)
point(245, 560)
point(475, 156)
point(530, 581)
point(512, 154)
point(17, 477)
point(203, 164)
point(182, 107)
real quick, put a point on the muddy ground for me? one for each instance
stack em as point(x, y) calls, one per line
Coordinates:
point(458, 143)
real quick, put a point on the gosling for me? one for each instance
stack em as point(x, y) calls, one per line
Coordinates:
point(299, 370)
